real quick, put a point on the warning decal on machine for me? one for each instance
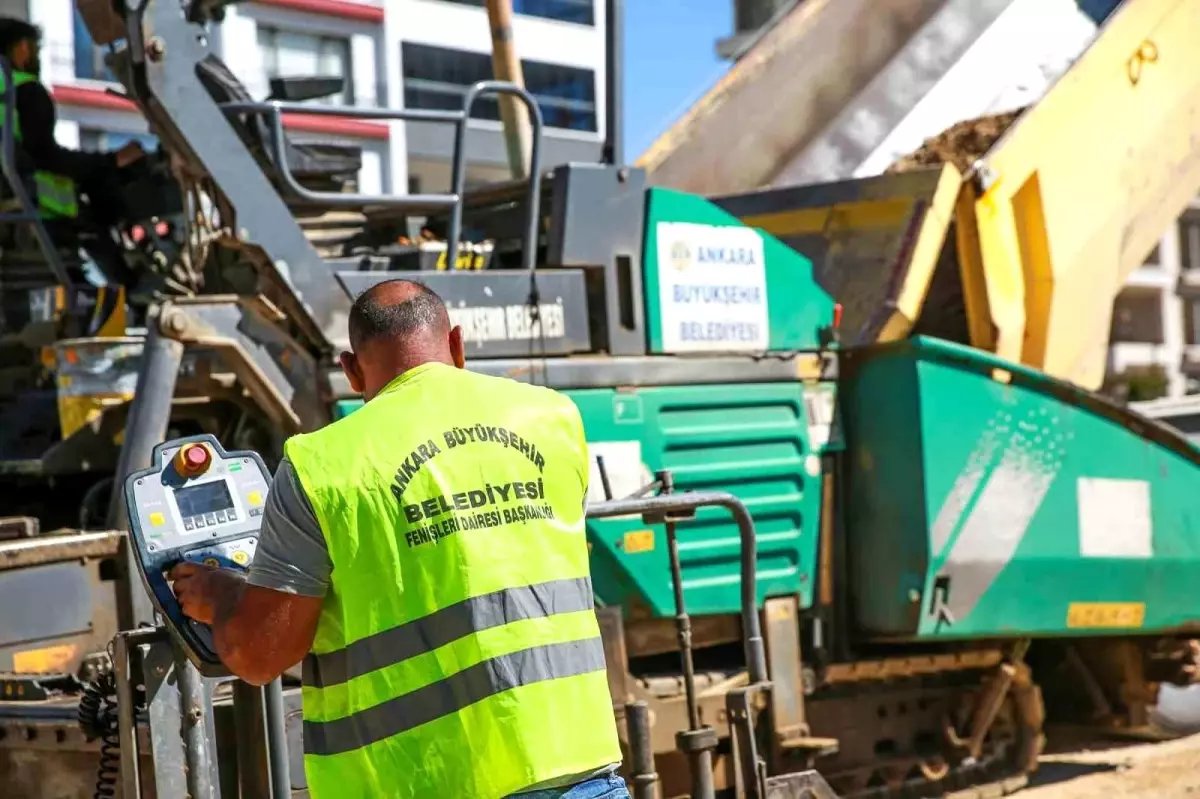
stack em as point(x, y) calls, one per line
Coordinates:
point(1112, 615)
point(44, 661)
point(712, 288)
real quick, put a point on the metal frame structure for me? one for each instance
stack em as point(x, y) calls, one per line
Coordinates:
point(159, 75)
point(181, 722)
point(748, 707)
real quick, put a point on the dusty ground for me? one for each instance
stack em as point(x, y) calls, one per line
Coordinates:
point(1168, 770)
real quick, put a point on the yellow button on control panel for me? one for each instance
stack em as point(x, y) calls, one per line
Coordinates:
point(241, 558)
point(212, 562)
point(254, 498)
point(157, 519)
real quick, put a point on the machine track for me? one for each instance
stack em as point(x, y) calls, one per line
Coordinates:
point(985, 779)
point(900, 737)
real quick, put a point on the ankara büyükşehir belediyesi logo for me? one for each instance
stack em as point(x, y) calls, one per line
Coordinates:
point(681, 255)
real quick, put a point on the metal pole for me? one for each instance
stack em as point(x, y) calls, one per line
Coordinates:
point(614, 95)
point(506, 66)
point(194, 726)
point(683, 623)
point(281, 776)
point(131, 779)
point(146, 425)
point(253, 762)
point(644, 777)
point(695, 741)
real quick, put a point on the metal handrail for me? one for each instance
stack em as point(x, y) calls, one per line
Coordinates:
point(275, 109)
point(756, 660)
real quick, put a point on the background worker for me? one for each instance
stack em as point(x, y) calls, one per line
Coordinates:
point(426, 557)
point(97, 176)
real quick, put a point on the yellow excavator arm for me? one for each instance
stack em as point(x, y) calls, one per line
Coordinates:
point(1022, 247)
point(1079, 191)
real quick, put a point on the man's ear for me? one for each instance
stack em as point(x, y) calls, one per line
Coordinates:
point(349, 364)
point(20, 54)
point(458, 351)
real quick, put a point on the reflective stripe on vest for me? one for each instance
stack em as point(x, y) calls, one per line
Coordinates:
point(465, 688)
point(458, 652)
point(445, 626)
point(56, 194)
point(19, 80)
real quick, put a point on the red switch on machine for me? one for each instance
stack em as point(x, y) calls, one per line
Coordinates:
point(192, 460)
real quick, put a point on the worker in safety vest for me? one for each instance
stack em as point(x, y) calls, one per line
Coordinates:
point(426, 558)
point(59, 174)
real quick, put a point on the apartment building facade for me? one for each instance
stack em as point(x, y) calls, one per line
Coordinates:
point(390, 53)
point(1156, 317)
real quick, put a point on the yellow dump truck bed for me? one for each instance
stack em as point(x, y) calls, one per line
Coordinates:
point(1024, 255)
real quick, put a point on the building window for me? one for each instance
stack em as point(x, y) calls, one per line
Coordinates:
point(1189, 239)
point(1137, 317)
point(287, 54)
point(582, 12)
point(1191, 322)
point(89, 59)
point(106, 141)
point(437, 78)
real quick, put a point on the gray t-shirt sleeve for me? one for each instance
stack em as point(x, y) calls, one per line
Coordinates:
point(292, 555)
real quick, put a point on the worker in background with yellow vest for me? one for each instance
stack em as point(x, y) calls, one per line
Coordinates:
point(426, 557)
point(61, 174)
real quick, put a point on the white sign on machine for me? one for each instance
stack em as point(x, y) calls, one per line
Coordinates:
point(1115, 520)
point(623, 466)
point(712, 288)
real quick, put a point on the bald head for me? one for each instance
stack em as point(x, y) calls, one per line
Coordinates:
point(395, 326)
point(398, 312)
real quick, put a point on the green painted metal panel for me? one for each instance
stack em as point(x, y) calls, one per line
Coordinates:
point(798, 310)
point(986, 499)
point(343, 408)
point(751, 440)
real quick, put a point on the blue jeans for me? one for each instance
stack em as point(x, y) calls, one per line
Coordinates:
point(608, 787)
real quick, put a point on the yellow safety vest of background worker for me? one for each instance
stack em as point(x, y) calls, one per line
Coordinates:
point(452, 643)
point(56, 194)
point(59, 174)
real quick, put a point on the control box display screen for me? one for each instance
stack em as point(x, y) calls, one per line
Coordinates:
point(204, 498)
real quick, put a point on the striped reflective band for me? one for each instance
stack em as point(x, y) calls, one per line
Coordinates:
point(56, 193)
point(445, 626)
point(471, 685)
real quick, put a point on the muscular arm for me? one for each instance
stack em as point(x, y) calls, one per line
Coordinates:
point(264, 622)
point(35, 109)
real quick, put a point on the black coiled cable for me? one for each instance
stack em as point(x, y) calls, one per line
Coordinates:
point(98, 719)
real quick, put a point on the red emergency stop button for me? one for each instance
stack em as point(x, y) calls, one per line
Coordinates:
point(192, 460)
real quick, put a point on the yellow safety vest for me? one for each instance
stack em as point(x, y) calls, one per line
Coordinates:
point(458, 652)
point(56, 194)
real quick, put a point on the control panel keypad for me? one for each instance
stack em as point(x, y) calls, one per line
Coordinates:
point(235, 554)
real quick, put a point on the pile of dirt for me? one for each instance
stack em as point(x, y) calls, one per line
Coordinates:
point(961, 144)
